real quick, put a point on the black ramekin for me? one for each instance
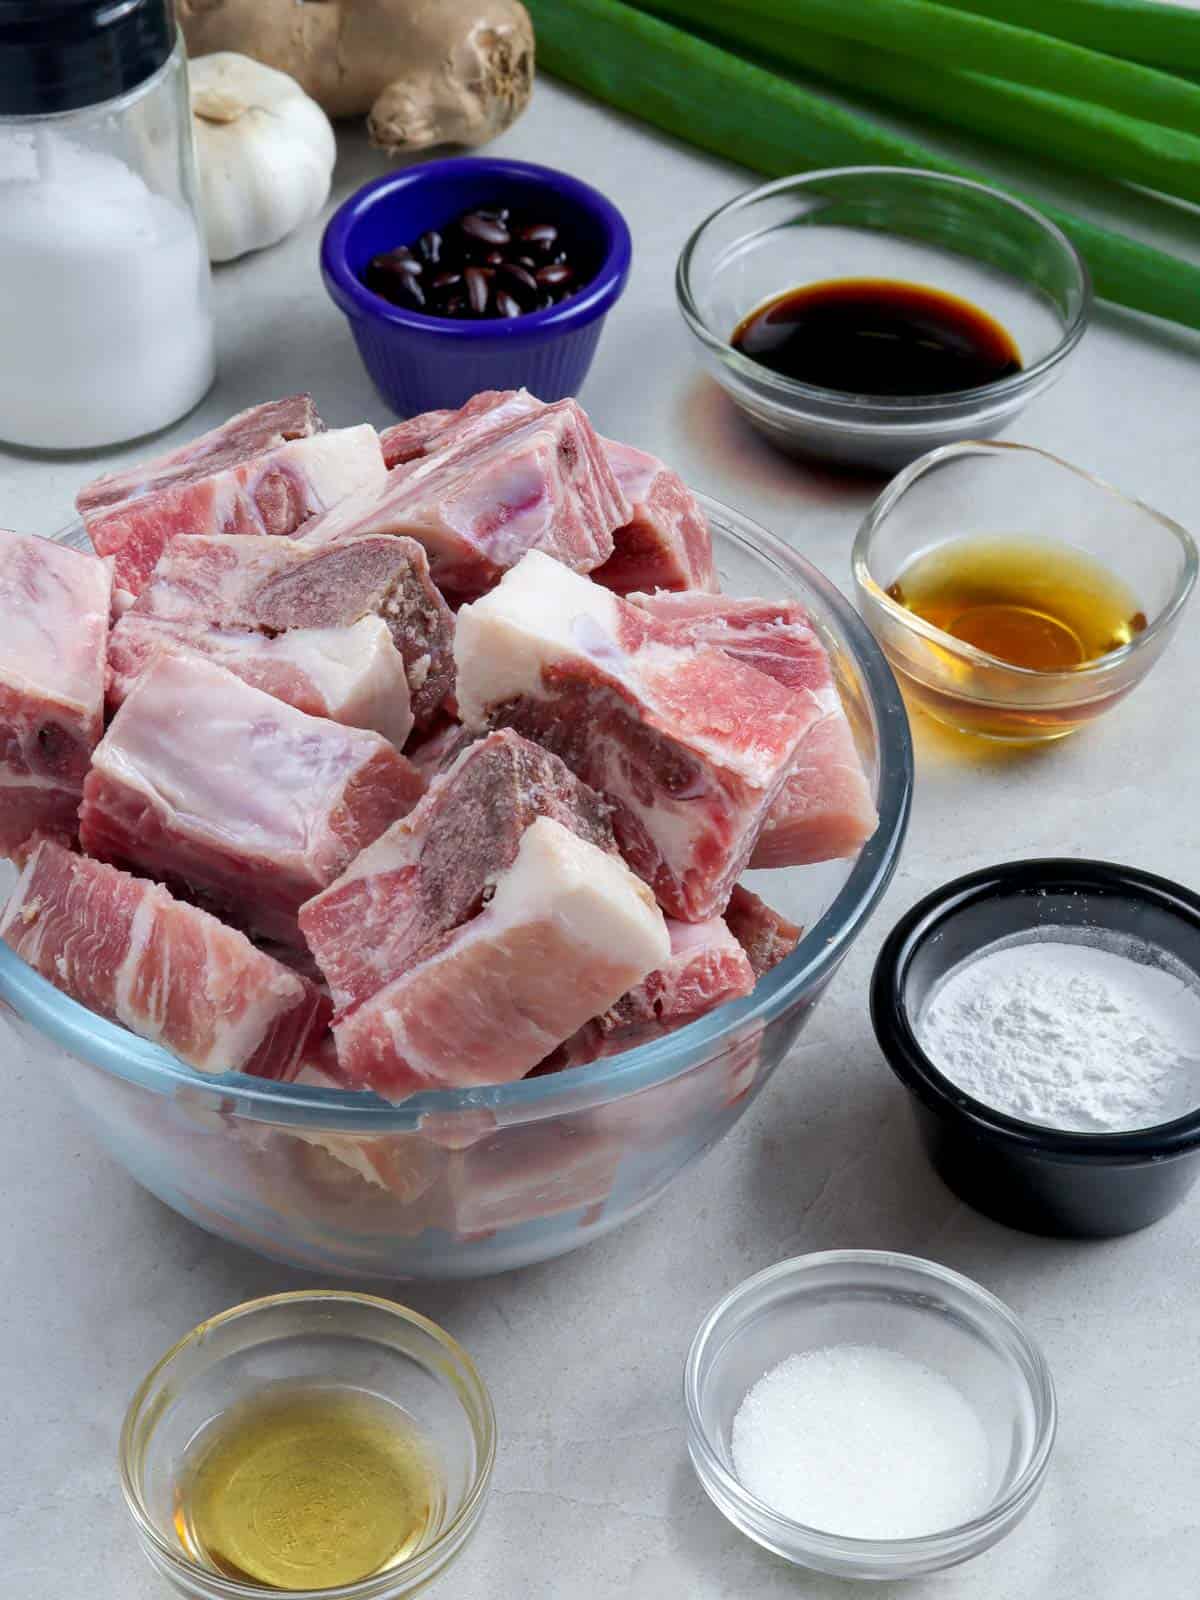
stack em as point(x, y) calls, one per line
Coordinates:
point(1078, 1185)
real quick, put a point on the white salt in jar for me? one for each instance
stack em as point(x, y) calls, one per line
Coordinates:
point(105, 322)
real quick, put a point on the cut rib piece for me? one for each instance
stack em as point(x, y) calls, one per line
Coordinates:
point(436, 751)
point(666, 544)
point(707, 967)
point(690, 746)
point(439, 430)
point(542, 482)
point(404, 1164)
point(523, 1174)
point(247, 803)
point(826, 809)
point(431, 872)
point(266, 471)
point(353, 675)
point(765, 935)
point(169, 972)
point(271, 586)
point(55, 607)
point(567, 931)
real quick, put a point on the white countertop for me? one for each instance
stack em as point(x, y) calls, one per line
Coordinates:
point(594, 1496)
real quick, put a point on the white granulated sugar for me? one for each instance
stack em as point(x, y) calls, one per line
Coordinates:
point(1069, 1035)
point(864, 1442)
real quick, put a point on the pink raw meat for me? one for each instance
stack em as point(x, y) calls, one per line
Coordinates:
point(666, 544)
point(541, 482)
point(266, 471)
point(690, 746)
point(207, 783)
point(826, 809)
point(240, 583)
point(765, 935)
point(436, 750)
point(437, 430)
point(55, 608)
point(567, 931)
point(353, 675)
point(127, 949)
point(523, 1174)
point(349, 674)
point(404, 1164)
point(432, 871)
point(707, 967)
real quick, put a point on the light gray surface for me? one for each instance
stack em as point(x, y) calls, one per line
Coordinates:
point(593, 1493)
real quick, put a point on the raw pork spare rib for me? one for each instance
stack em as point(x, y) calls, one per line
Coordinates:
point(243, 801)
point(764, 934)
point(55, 608)
point(127, 949)
point(540, 482)
point(433, 871)
point(352, 674)
point(438, 430)
point(706, 968)
point(666, 544)
point(689, 745)
point(567, 931)
point(826, 809)
point(266, 471)
point(272, 587)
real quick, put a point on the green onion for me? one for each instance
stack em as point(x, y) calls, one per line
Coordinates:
point(1074, 131)
point(708, 97)
point(1166, 36)
point(938, 35)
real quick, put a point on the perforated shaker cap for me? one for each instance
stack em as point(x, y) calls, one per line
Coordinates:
point(61, 55)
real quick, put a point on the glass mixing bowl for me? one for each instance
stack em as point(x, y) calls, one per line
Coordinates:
point(460, 1183)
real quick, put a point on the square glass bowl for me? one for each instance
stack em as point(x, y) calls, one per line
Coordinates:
point(901, 1303)
point(897, 224)
point(977, 489)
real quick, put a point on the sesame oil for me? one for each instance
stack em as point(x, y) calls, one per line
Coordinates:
point(1030, 603)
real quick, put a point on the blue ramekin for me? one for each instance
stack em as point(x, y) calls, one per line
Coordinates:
point(422, 363)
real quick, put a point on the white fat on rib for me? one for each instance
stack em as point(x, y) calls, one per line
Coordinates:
point(539, 613)
point(337, 463)
point(357, 671)
point(592, 896)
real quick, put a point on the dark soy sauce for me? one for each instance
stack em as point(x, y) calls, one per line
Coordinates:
point(873, 336)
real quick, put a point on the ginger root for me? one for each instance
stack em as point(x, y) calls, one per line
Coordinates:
point(425, 72)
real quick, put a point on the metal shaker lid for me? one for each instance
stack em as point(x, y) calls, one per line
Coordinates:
point(61, 55)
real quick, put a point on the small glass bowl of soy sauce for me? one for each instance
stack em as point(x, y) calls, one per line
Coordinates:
point(867, 315)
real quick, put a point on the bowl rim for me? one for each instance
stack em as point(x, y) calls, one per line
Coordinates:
point(897, 1037)
point(380, 1585)
point(593, 300)
point(920, 409)
point(870, 590)
point(125, 1055)
point(973, 1532)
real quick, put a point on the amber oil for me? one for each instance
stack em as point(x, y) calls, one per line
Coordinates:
point(1030, 603)
point(307, 1487)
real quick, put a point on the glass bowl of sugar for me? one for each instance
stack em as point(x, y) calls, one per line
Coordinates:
point(868, 1414)
point(1044, 1017)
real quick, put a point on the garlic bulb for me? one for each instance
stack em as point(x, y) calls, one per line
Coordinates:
point(264, 150)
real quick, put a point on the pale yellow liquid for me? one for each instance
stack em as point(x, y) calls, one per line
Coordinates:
point(306, 1487)
point(1030, 602)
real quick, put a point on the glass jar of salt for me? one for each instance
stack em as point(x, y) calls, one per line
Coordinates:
point(105, 323)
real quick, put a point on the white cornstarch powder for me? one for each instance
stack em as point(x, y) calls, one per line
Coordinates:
point(864, 1442)
point(1075, 1034)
